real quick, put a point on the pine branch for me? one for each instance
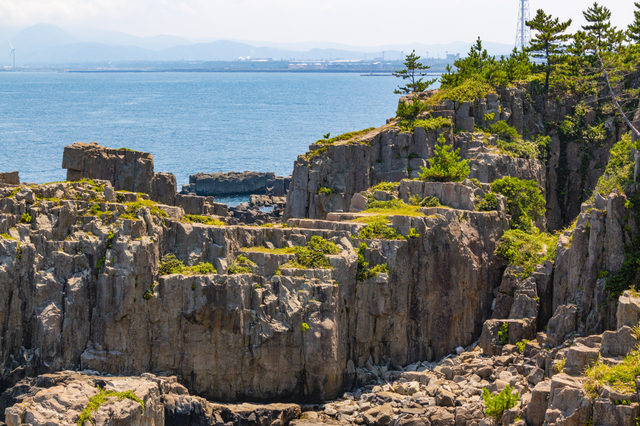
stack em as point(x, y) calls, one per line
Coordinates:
point(615, 100)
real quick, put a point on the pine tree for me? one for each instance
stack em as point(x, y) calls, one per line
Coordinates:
point(411, 71)
point(634, 28)
point(446, 165)
point(600, 34)
point(548, 43)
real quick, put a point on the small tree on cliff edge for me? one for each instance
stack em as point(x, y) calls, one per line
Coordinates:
point(548, 43)
point(446, 165)
point(413, 68)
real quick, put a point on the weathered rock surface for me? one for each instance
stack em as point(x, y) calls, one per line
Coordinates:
point(233, 183)
point(58, 399)
point(127, 170)
point(10, 178)
point(81, 290)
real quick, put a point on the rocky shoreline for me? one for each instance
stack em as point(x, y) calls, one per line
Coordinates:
point(325, 309)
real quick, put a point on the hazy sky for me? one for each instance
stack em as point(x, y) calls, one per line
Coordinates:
point(356, 22)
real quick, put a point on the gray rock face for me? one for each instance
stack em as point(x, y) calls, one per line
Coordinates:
point(126, 170)
point(385, 154)
point(59, 398)
point(10, 178)
point(452, 194)
point(83, 291)
point(595, 245)
point(628, 313)
point(233, 183)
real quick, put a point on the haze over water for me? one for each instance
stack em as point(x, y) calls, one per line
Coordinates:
point(190, 122)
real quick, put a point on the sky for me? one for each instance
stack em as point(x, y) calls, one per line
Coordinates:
point(354, 22)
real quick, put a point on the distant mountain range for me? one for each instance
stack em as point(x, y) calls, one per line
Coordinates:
point(50, 45)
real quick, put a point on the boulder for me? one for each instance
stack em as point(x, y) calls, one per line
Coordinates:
point(10, 178)
point(618, 343)
point(561, 324)
point(607, 413)
point(535, 411)
point(579, 358)
point(628, 309)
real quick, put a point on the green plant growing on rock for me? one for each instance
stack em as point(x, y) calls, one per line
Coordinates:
point(364, 272)
point(86, 415)
point(325, 190)
point(304, 327)
point(313, 254)
point(486, 204)
point(527, 249)
point(204, 268)
point(385, 186)
point(413, 234)
point(525, 202)
point(170, 264)
point(25, 218)
point(521, 345)
point(100, 265)
point(430, 124)
point(446, 165)
point(503, 333)
point(498, 404)
point(205, 220)
point(238, 269)
point(379, 229)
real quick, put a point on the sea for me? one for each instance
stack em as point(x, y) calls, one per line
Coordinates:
point(190, 122)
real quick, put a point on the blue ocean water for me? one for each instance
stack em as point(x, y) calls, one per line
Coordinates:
point(190, 122)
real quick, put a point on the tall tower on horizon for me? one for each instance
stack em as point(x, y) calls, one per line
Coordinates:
point(523, 33)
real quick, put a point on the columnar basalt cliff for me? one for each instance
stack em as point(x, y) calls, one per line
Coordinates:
point(82, 290)
point(117, 293)
point(389, 154)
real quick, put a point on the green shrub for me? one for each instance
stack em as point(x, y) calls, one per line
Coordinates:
point(305, 327)
point(380, 269)
point(430, 124)
point(244, 260)
point(324, 190)
point(488, 203)
point(379, 230)
point(498, 404)
point(97, 400)
point(413, 233)
point(205, 220)
point(504, 131)
point(385, 186)
point(429, 201)
point(619, 170)
point(237, 269)
point(134, 207)
point(446, 165)
point(468, 91)
point(527, 249)
point(99, 265)
point(503, 333)
point(25, 218)
point(521, 345)
point(313, 254)
point(364, 272)
point(170, 264)
point(110, 238)
point(525, 202)
point(147, 294)
point(519, 148)
point(204, 269)
point(411, 110)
